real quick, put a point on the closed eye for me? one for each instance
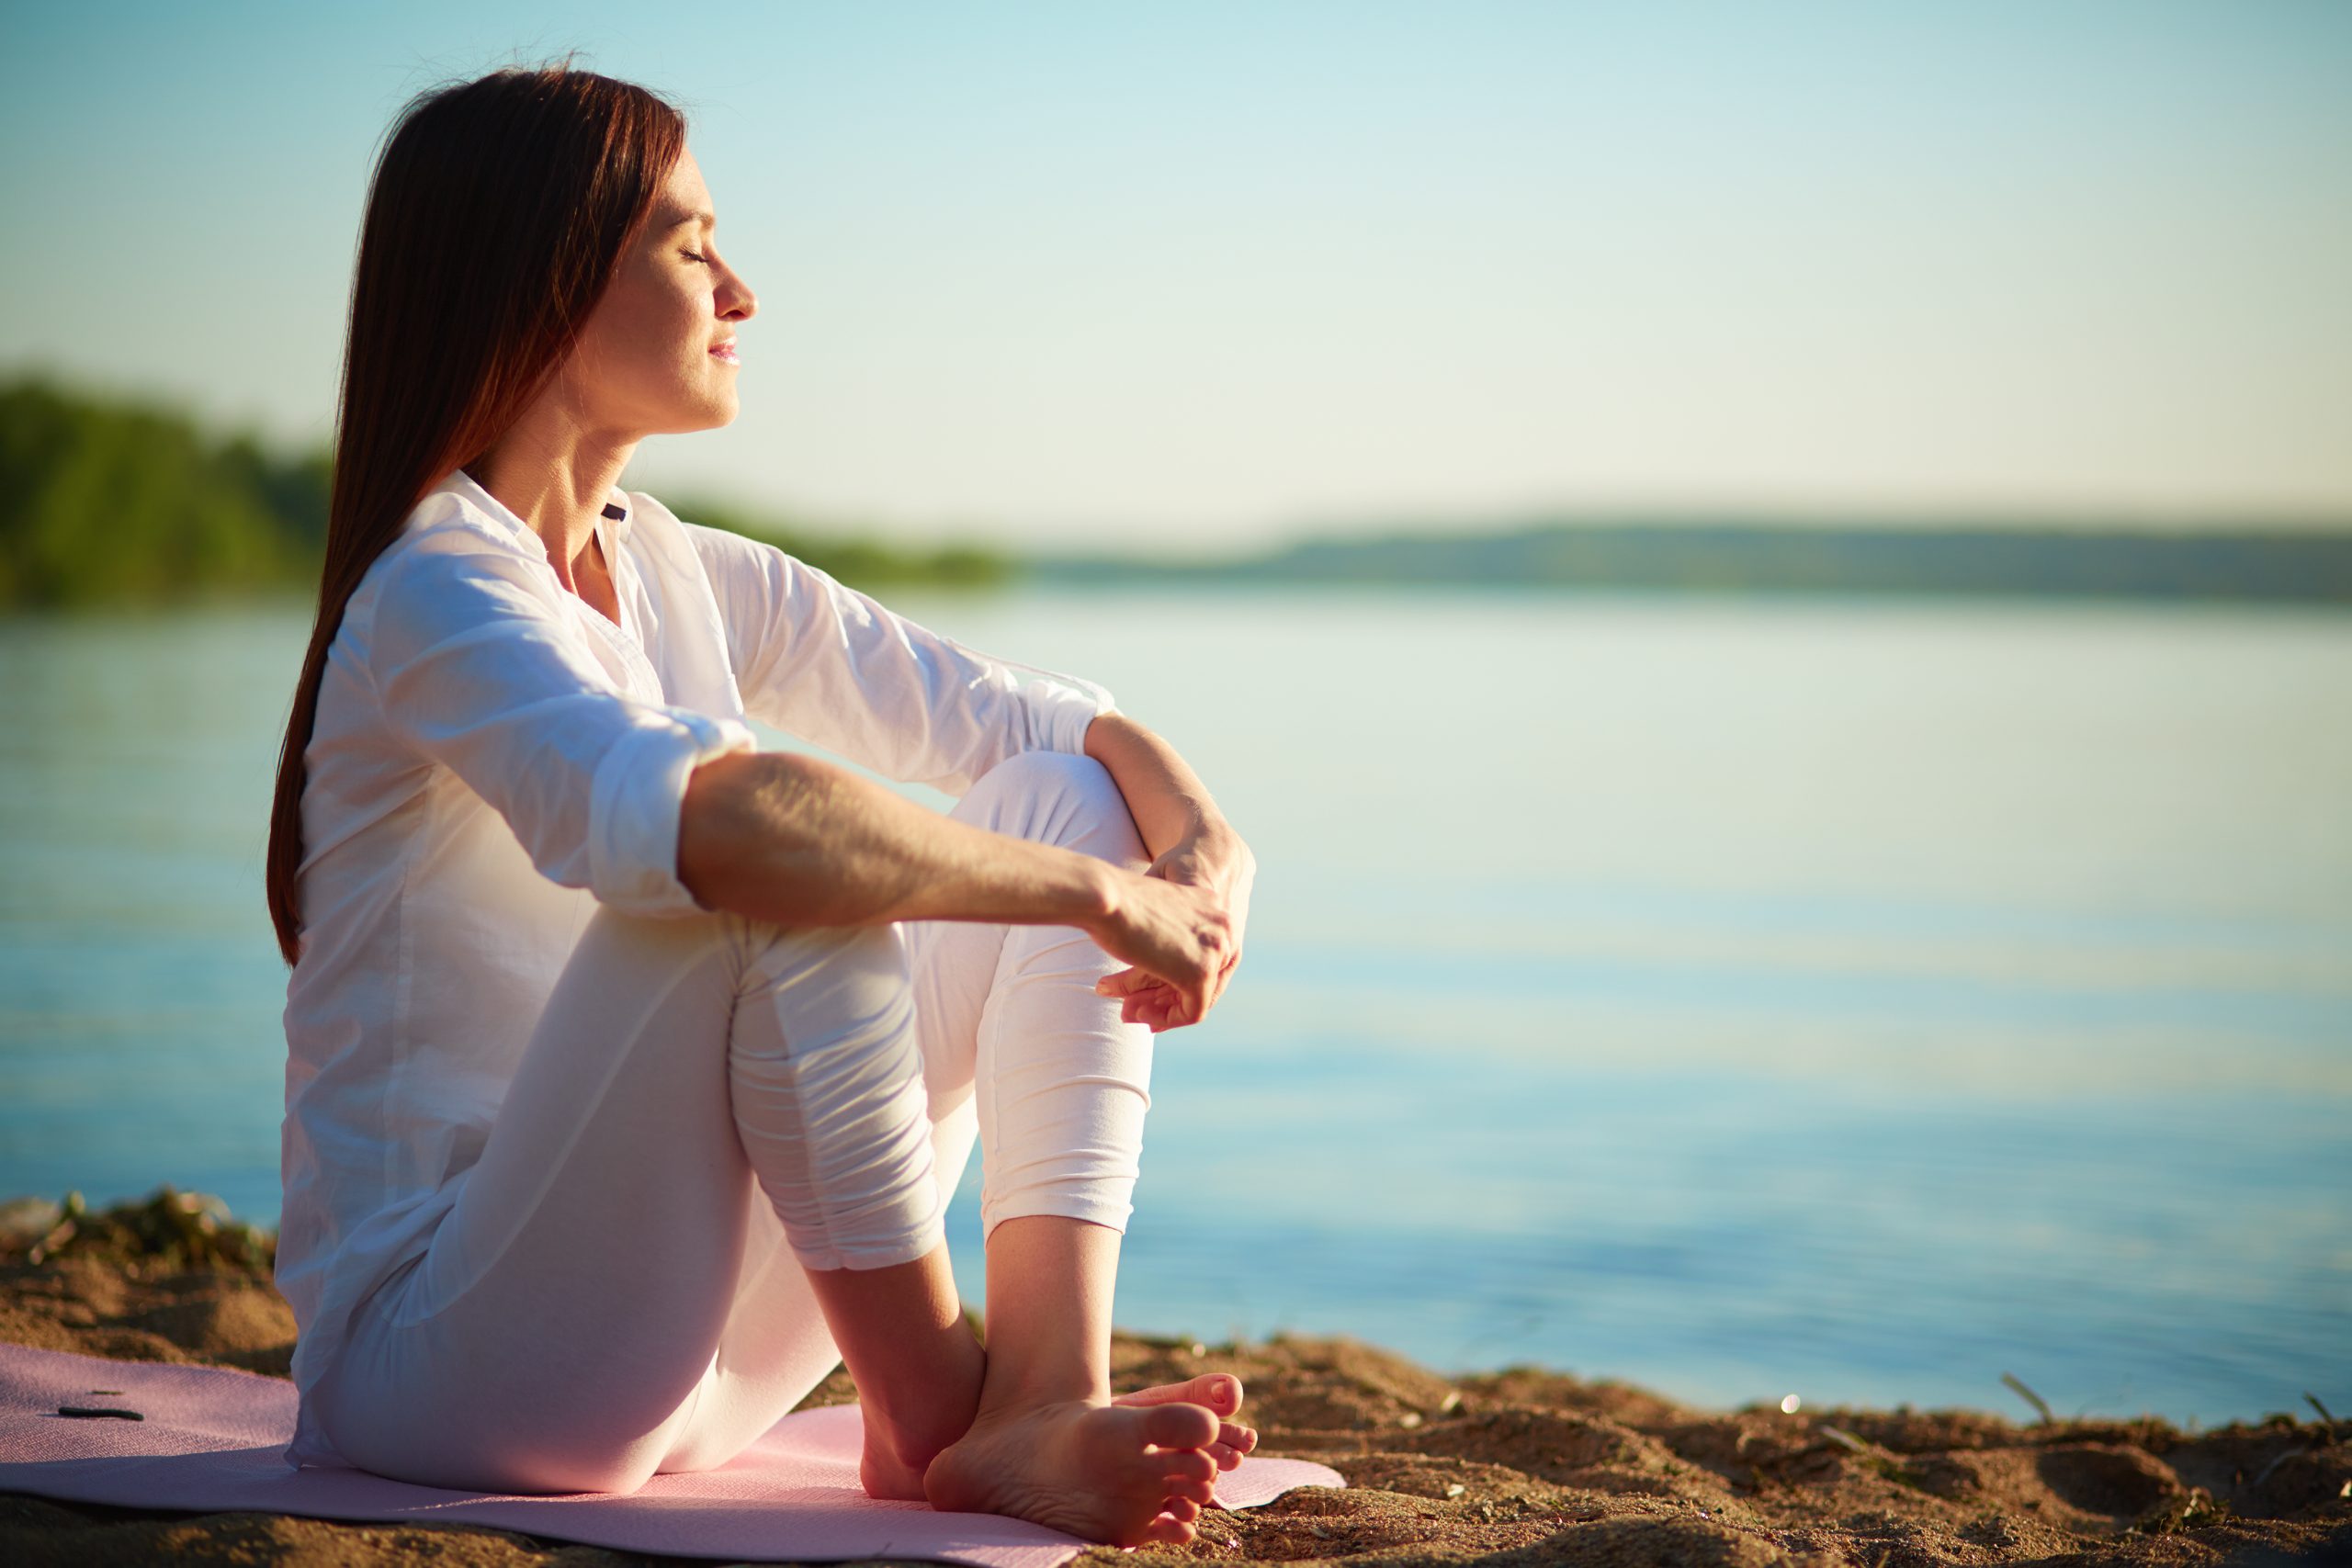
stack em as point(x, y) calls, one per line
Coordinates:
point(694, 255)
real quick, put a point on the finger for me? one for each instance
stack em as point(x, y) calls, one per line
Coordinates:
point(1216, 990)
point(1124, 982)
point(1144, 1005)
point(1224, 979)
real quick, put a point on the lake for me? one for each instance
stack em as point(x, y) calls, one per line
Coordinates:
point(1856, 999)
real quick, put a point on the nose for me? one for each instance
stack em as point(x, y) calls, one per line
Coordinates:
point(736, 300)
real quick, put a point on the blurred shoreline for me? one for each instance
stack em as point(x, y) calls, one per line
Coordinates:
point(193, 516)
point(1755, 556)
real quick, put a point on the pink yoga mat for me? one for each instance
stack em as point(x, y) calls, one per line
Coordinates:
point(212, 1438)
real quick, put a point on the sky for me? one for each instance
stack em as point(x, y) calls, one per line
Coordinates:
point(1212, 276)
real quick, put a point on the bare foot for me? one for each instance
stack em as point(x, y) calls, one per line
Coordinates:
point(884, 1474)
point(1221, 1393)
point(1120, 1473)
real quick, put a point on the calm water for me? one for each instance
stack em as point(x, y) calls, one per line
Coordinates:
point(1857, 1000)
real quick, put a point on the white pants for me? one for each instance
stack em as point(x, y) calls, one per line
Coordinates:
point(708, 1106)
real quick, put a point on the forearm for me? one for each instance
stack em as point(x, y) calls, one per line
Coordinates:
point(1166, 798)
point(798, 841)
point(1192, 846)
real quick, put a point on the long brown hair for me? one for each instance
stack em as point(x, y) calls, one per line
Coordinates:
point(497, 214)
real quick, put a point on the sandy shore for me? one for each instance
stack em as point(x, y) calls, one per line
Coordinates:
point(1517, 1467)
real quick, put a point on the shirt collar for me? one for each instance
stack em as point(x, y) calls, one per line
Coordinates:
point(618, 510)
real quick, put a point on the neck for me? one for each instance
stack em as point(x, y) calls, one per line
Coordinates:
point(557, 479)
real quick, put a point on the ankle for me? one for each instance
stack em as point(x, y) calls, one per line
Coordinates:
point(916, 1429)
point(915, 1443)
point(1012, 1390)
point(1048, 1325)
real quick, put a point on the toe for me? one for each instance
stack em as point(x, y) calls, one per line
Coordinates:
point(1225, 1455)
point(1189, 1465)
point(1221, 1391)
point(1179, 1425)
point(1170, 1530)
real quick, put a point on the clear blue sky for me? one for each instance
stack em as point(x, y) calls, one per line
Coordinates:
point(1205, 274)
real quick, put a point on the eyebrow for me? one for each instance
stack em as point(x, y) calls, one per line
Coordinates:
point(703, 218)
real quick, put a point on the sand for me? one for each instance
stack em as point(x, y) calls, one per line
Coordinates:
point(1520, 1467)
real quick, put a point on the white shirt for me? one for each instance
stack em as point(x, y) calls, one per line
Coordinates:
point(492, 758)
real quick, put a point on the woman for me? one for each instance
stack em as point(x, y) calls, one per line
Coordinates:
point(621, 1104)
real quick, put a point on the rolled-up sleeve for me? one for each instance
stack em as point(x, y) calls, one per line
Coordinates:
point(474, 668)
point(833, 666)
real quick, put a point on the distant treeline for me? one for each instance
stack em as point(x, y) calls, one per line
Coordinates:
point(104, 502)
point(861, 563)
point(107, 501)
point(2217, 562)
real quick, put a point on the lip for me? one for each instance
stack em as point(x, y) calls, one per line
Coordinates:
point(724, 353)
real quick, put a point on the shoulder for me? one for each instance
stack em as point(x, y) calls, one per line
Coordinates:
point(729, 560)
point(452, 562)
point(652, 515)
point(444, 533)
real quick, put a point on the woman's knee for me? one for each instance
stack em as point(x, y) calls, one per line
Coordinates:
point(1056, 797)
point(844, 973)
point(1046, 773)
point(757, 951)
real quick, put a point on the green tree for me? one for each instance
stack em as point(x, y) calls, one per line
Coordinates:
point(119, 503)
point(105, 502)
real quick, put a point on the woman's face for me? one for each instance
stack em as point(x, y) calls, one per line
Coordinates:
point(657, 354)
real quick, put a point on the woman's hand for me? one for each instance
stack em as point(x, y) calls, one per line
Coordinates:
point(1208, 879)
